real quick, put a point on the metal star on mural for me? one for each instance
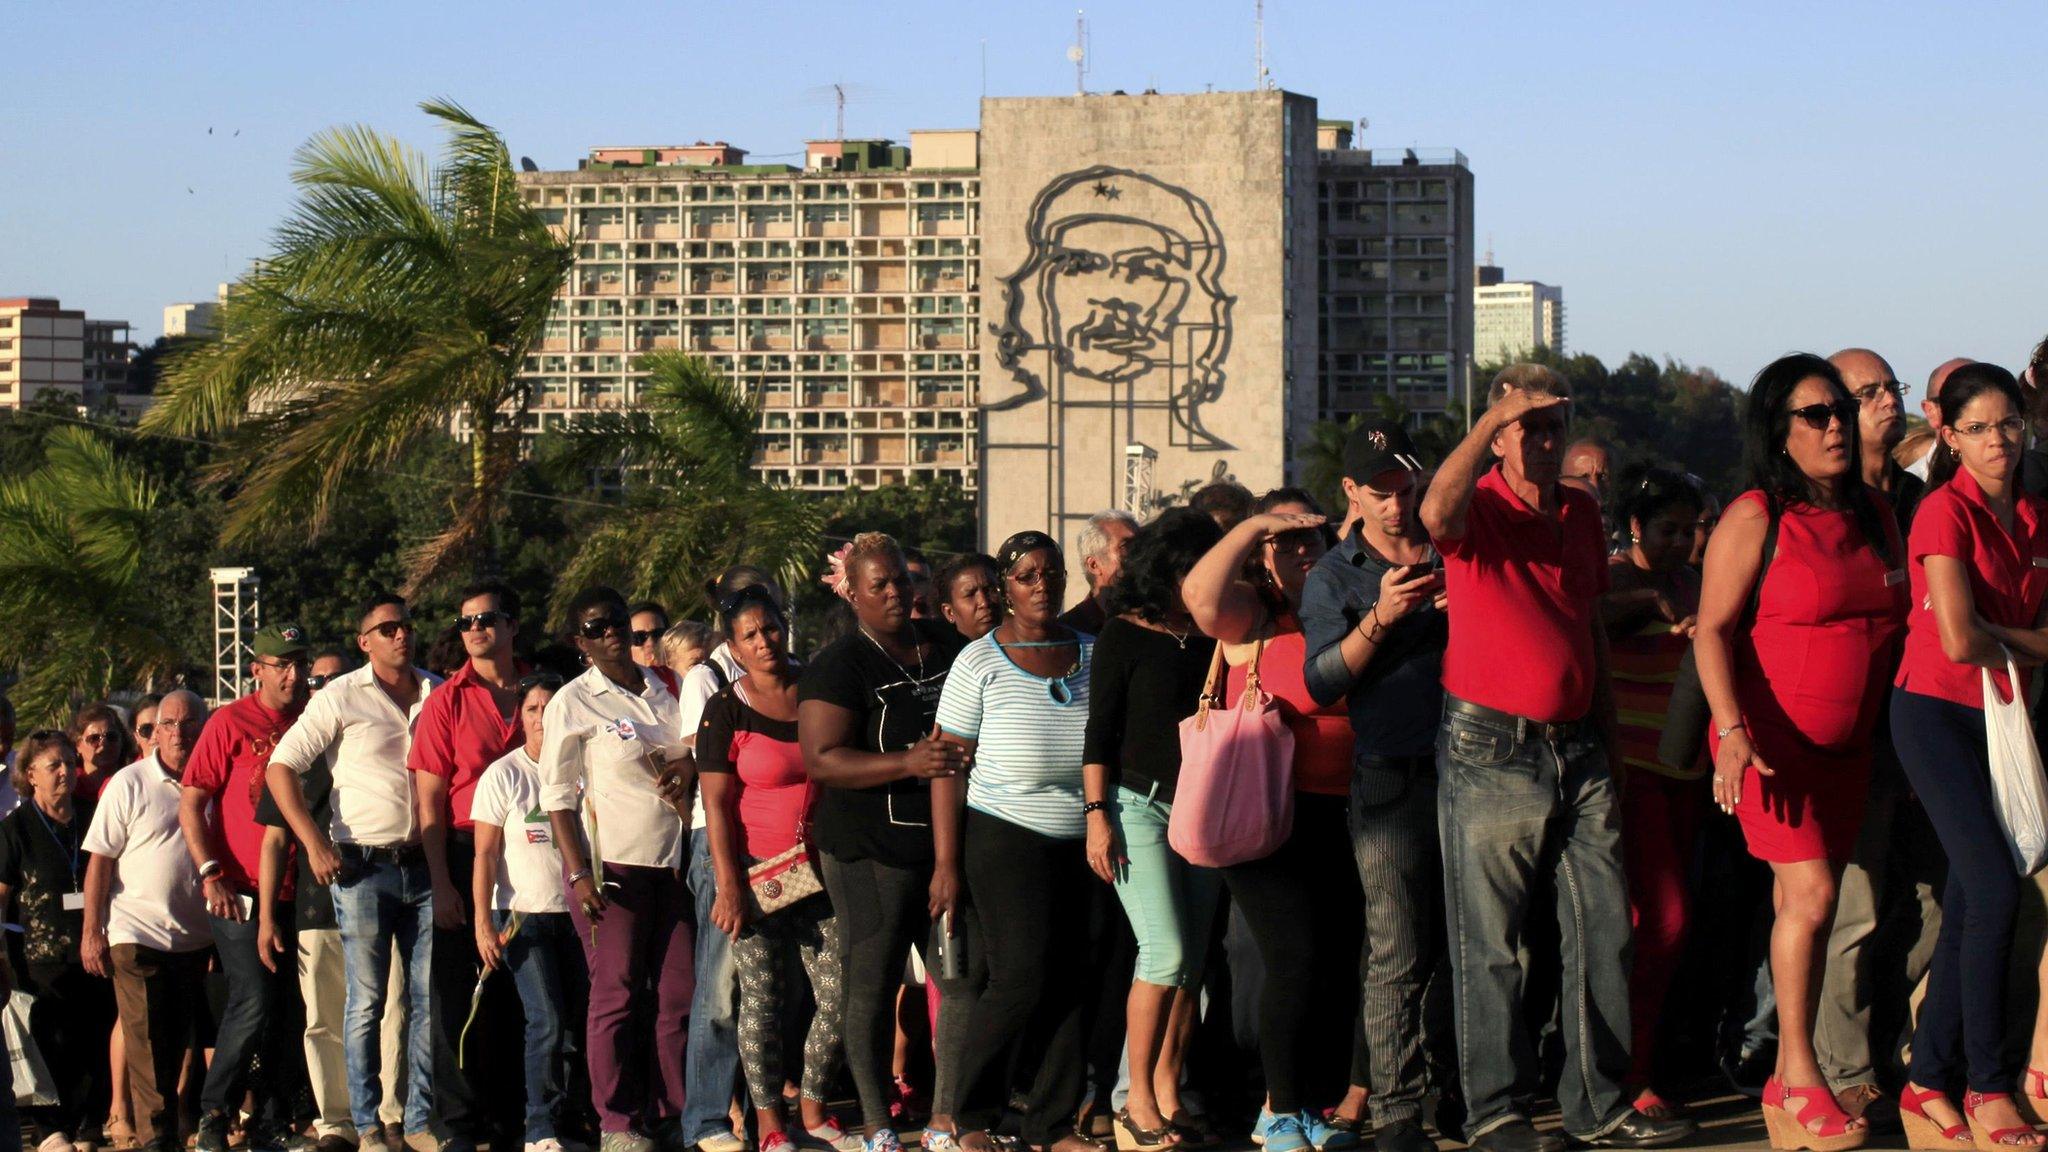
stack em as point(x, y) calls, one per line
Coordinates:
point(1108, 191)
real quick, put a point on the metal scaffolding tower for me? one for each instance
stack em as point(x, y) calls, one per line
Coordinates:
point(1138, 463)
point(237, 614)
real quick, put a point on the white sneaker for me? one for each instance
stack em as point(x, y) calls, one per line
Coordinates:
point(548, 1145)
point(55, 1142)
point(722, 1142)
point(831, 1135)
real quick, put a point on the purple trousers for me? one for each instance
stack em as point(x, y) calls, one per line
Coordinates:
point(637, 1071)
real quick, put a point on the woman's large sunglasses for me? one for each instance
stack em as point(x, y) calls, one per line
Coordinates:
point(1817, 416)
point(595, 629)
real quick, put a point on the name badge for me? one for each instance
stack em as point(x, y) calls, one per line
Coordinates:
point(74, 901)
point(1895, 577)
point(2041, 561)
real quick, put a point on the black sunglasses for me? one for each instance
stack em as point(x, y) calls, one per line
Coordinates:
point(642, 636)
point(1816, 416)
point(145, 728)
point(478, 621)
point(315, 682)
point(388, 629)
point(595, 629)
point(533, 680)
point(751, 594)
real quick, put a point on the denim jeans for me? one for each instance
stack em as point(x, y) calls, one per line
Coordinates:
point(1404, 1001)
point(1516, 810)
point(382, 904)
point(253, 1024)
point(714, 1049)
point(543, 958)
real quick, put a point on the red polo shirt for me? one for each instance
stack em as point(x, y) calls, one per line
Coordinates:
point(2008, 577)
point(228, 761)
point(1524, 594)
point(460, 733)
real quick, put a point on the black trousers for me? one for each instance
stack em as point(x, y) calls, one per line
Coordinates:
point(464, 1101)
point(71, 1021)
point(1027, 888)
point(1303, 905)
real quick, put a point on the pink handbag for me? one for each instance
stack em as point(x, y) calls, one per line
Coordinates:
point(1235, 799)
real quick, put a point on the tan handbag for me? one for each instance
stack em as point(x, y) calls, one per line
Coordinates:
point(782, 880)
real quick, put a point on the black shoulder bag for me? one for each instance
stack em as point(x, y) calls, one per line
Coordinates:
point(1687, 720)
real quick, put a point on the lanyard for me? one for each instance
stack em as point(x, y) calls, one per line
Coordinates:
point(70, 849)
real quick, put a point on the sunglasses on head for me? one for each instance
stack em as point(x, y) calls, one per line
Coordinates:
point(388, 628)
point(648, 635)
point(533, 680)
point(751, 594)
point(595, 629)
point(1817, 416)
point(478, 621)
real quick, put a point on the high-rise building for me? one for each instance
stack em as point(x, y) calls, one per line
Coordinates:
point(845, 290)
point(1395, 254)
point(1093, 301)
point(192, 319)
point(1513, 317)
point(48, 348)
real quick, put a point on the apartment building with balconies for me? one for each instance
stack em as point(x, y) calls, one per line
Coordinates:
point(1395, 305)
point(847, 291)
point(46, 348)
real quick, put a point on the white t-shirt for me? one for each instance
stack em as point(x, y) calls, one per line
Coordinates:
point(156, 902)
point(607, 745)
point(356, 720)
point(508, 796)
point(699, 685)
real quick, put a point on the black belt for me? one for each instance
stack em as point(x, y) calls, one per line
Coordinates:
point(1525, 728)
point(1426, 762)
point(371, 854)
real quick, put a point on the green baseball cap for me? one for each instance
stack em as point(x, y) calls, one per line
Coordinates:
point(280, 640)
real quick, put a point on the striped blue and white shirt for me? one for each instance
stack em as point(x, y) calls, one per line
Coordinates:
point(1028, 732)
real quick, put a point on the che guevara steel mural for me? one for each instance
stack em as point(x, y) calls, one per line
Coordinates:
point(1120, 284)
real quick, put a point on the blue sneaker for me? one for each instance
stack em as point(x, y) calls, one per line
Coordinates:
point(1287, 1134)
point(1263, 1125)
point(1330, 1134)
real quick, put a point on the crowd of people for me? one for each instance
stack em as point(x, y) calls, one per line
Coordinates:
point(1509, 698)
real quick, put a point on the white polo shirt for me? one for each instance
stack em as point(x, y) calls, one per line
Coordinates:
point(699, 685)
point(609, 744)
point(508, 796)
point(156, 902)
point(355, 720)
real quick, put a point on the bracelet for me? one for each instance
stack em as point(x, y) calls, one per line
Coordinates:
point(1722, 733)
point(1094, 806)
point(209, 869)
point(575, 877)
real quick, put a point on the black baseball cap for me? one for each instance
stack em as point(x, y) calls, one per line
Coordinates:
point(1378, 446)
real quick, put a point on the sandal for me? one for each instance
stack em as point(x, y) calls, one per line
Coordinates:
point(2033, 1101)
point(1131, 1138)
point(1076, 1142)
point(1992, 1139)
point(1923, 1133)
point(1787, 1125)
point(1656, 1107)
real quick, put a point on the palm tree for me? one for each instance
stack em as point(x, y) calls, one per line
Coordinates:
point(691, 504)
point(401, 299)
point(86, 615)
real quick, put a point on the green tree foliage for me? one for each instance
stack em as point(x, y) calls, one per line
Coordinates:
point(689, 502)
point(400, 298)
point(932, 514)
point(83, 612)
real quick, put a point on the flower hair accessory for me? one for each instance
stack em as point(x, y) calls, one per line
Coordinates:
point(835, 573)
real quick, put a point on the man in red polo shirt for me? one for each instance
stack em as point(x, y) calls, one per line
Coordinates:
point(1526, 803)
point(464, 727)
point(222, 785)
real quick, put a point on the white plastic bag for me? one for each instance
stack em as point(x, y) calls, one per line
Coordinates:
point(34, 1087)
point(2018, 787)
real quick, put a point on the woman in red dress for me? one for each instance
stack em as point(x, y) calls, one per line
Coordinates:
point(1792, 650)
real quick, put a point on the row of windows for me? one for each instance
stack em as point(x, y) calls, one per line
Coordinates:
point(748, 191)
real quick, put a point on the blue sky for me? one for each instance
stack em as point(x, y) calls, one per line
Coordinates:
point(1718, 183)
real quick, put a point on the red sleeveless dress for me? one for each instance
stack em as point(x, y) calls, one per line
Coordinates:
point(1810, 674)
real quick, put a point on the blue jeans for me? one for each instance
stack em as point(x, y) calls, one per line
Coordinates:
point(1170, 902)
point(543, 957)
point(382, 903)
point(253, 1023)
point(714, 1056)
point(1515, 809)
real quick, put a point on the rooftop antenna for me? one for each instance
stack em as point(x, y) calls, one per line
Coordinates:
point(1489, 249)
point(839, 111)
point(1078, 52)
point(1263, 80)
